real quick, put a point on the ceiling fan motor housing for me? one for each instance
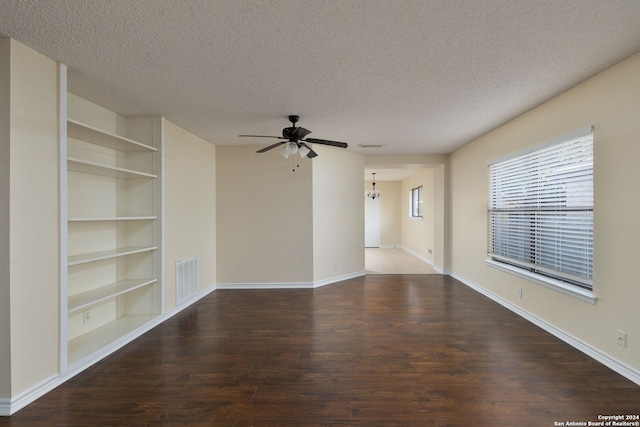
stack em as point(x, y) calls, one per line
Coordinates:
point(297, 135)
point(289, 132)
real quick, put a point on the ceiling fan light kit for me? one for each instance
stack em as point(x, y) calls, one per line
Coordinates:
point(294, 139)
point(303, 151)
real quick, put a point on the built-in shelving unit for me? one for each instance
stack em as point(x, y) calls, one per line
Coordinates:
point(86, 132)
point(104, 255)
point(114, 218)
point(88, 298)
point(113, 232)
point(86, 166)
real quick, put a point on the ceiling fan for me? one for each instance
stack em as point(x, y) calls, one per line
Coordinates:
point(294, 141)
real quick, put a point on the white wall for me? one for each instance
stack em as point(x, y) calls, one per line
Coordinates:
point(610, 102)
point(264, 217)
point(338, 213)
point(390, 211)
point(33, 217)
point(190, 206)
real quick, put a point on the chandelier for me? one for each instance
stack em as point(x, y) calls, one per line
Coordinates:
point(373, 193)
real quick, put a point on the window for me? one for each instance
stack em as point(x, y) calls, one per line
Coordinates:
point(416, 202)
point(541, 210)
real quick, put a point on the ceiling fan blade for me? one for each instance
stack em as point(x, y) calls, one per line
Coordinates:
point(261, 136)
point(300, 132)
point(311, 154)
point(277, 144)
point(327, 142)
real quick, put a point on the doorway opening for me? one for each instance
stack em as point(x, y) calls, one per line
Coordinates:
point(397, 240)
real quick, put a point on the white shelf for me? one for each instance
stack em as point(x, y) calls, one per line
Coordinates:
point(113, 200)
point(113, 218)
point(99, 256)
point(92, 341)
point(103, 293)
point(88, 133)
point(94, 168)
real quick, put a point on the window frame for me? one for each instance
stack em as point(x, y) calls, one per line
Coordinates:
point(416, 202)
point(536, 271)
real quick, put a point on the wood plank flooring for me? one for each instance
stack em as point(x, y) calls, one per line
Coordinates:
point(396, 350)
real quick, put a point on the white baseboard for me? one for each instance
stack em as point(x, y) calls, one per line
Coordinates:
point(11, 406)
point(608, 361)
point(290, 285)
point(335, 279)
point(271, 285)
point(188, 302)
point(415, 254)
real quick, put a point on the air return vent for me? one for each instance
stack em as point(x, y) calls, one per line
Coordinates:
point(186, 279)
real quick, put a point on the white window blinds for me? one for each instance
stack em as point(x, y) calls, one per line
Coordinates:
point(541, 210)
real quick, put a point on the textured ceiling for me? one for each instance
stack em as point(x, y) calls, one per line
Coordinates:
point(421, 76)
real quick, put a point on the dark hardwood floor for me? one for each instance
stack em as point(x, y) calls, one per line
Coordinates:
point(404, 350)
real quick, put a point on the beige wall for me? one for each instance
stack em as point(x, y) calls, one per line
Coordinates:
point(264, 217)
point(277, 227)
point(418, 233)
point(95, 115)
point(338, 213)
point(190, 206)
point(610, 102)
point(410, 161)
point(441, 214)
point(390, 209)
point(5, 217)
point(34, 219)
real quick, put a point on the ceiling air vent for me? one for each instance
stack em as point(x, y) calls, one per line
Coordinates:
point(370, 145)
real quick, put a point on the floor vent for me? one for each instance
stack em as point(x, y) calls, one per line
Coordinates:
point(186, 279)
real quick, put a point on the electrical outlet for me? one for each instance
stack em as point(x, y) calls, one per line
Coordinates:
point(519, 292)
point(621, 338)
point(337, 266)
point(86, 316)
